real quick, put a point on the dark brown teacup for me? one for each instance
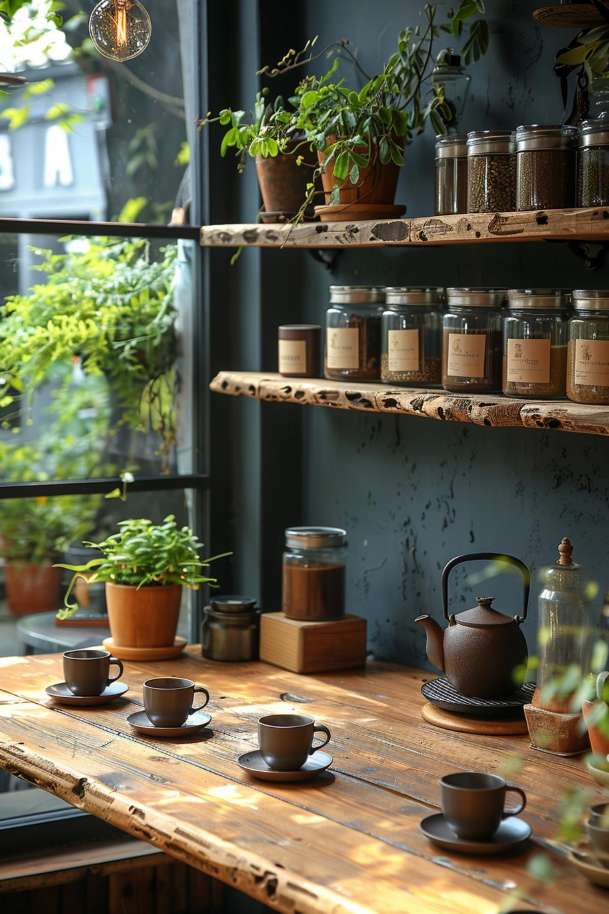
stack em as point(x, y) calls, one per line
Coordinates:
point(473, 803)
point(169, 701)
point(599, 815)
point(87, 671)
point(286, 740)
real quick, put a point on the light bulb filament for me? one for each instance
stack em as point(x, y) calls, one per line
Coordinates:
point(122, 35)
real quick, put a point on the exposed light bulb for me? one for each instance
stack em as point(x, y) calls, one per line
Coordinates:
point(120, 29)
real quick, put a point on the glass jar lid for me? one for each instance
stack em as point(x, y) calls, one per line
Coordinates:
point(476, 298)
point(413, 295)
point(232, 603)
point(356, 295)
point(480, 142)
point(542, 299)
point(591, 299)
point(315, 537)
point(594, 132)
point(539, 136)
point(453, 146)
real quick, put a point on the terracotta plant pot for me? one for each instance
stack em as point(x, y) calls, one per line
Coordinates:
point(31, 588)
point(147, 617)
point(377, 184)
point(599, 741)
point(283, 183)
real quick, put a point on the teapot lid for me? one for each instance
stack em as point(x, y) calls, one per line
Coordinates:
point(482, 615)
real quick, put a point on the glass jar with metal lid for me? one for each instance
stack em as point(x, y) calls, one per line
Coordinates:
point(451, 175)
point(411, 350)
point(314, 565)
point(491, 171)
point(545, 167)
point(471, 344)
point(593, 163)
point(588, 349)
point(535, 344)
point(353, 333)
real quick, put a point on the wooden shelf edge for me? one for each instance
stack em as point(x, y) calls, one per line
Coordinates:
point(472, 228)
point(493, 411)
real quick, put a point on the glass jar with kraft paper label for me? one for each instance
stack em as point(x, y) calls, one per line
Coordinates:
point(471, 344)
point(353, 333)
point(588, 350)
point(299, 350)
point(535, 344)
point(411, 348)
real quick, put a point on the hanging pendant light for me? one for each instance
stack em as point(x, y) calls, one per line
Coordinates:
point(120, 29)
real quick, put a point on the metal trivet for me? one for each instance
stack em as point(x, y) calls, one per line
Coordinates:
point(440, 693)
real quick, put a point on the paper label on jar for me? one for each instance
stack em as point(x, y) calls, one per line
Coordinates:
point(292, 356)
point(342, 347)
point(528, 361)
point(592, 363)
point(466, 355)
point(403, 350)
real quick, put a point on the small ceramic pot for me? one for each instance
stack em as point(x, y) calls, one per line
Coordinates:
point(144, 617)
point(599, 740)
point(31, 588)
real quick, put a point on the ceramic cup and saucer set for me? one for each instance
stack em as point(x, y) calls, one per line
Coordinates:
point(474, 819)
point(592, 859)
point(169, 709)
point(87, 679)
point(286, 750)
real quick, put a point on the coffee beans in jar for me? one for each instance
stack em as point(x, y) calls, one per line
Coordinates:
point(588, 348)
point(491, 171)
point(451, 175)
point(353, 333)
point(471, 346)
point(535, 344)
point(593, 163)
point(314, 565)
point(545, 167)
point(412, 336)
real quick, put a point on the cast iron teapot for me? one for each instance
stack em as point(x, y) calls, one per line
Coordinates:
point(480, 648)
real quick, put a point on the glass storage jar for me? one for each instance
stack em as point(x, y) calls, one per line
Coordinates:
point(588, 348)
point(535, 344)
point(471, 344)
point(545, 169)
point(451, 175)
point(593, 163)
point(491, 171)
point(353, 333)
point(412, 336)
point(314, 566)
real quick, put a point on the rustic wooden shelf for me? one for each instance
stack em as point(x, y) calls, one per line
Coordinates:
point(492, 411)
point(568, 16)
point(473, 228)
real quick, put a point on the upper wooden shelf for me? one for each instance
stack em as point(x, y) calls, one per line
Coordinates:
point(492, 411)
point(545, 225)
point(569, 15)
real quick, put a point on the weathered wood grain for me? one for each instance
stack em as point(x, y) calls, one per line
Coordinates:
point(347, 844)
point(492, 411)
point(373, 233)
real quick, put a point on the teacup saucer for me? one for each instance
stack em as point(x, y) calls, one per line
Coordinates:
point(141, 723)
point(591, 868)
point(511, 834)
point(254, 764)
point(60, 693)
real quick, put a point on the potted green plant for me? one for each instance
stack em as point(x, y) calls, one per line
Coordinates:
point(596, 716)
point(144, 566)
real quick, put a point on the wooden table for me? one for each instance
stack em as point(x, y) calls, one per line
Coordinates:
point(348, 842)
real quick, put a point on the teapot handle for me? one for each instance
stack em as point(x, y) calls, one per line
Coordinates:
point(489, 556)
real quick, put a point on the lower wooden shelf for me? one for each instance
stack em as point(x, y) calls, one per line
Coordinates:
point(493, 411)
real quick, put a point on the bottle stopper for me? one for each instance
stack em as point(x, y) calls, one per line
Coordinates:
point(565, 551)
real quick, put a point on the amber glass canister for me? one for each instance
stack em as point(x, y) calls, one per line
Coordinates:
point(353, 333)
point(588, 358)
point(535, 344)
point(471, 344)
point(299, 350)
point(314, 564)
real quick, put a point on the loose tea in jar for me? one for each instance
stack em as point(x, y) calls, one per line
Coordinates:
point(545, 168)
point(491, 171)
point(593, 163)
point(314, 573)
point(353, 333)
point(471, 346)
point(588, 349)
point(451, 175)
point(412, 336)
point(535, 344)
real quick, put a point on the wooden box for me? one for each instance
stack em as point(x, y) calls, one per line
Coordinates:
point(312, 647)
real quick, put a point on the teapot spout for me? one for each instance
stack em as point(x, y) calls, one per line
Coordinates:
point(435, 640)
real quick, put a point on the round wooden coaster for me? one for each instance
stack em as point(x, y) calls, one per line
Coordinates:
point(462, 724)
point(356, 212)
point(145, 653)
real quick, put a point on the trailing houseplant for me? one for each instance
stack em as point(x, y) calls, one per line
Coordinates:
point(144, 566)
